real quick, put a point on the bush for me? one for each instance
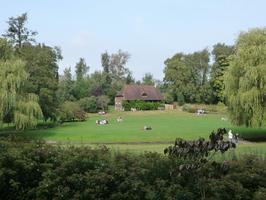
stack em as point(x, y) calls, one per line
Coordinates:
point(192, 108)
point(102, 102)
point(141, 105)
point(71, 111)
point(94, 104)
point(251, 134)
point(40, 171)
point(89, 104)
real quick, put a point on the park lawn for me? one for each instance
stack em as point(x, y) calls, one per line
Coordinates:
point(166, 127)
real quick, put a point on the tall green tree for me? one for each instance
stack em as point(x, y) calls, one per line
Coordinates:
point(41, 63)
point(245, 80)
point(221, 53)
point(66, 87)
point(81, 69)
point(148, 79)
point(81, 84)
point(187, 76)
point(23, 107)
point(115, 72)
point(17, 31)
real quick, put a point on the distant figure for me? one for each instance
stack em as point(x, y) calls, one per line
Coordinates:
point(102, 122)
point(147, 128)
point(119, 119)
point(133, 109)
point(230, 136)
point(224, 119)
point(200, 112)
point(101, 113)
point(236, 136)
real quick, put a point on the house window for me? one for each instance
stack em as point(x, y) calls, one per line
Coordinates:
point(144, 94)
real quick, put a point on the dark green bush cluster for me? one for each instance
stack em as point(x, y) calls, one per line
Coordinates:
point(251, 134)
point(38, 171)
point(94, 104)
point(141, 105)
point(71, 111)
point(192, 108)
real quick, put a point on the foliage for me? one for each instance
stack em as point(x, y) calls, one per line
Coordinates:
point(193, 108)
point(148, 79)
point(41, 65)
point(6, 50)
point(81, 69)
point(251, 134)
point(140, 105)
point(221, 53)
point(245, 85)
point(15, 103)
point(65, 87)
point(39, 171)
point(186, 75)
point(196, 152)
point(71, 111)
point(17, 33)
point(102, 102)
point(89, 104)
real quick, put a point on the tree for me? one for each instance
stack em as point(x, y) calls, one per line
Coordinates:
point(65, 87)
point(186, 76)
point(80, 89)
point(89, 104)
point(97, 84)
point(6, 50)
point(118, 63)
point(17, 33)
point(41, 65)
point(148, 79)
point(71, 111)
point(81, 69)
point(21, 107)
point(245, 86)
point(221, 53)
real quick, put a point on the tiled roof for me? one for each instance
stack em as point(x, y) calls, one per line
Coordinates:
point(140, 92)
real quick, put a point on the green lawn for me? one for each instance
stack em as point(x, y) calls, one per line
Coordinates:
point(130, 136)
point(166, 126)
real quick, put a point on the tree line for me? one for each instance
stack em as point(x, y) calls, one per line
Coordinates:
point(32, 89)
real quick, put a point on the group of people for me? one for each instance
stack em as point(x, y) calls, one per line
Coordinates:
point(200, 112)
point(105, 121)
point(102, 122)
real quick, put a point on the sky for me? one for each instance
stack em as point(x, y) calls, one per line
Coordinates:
point(149, 30)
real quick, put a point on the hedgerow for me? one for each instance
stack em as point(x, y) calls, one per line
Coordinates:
point(41, 171)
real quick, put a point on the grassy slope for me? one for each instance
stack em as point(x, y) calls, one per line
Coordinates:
point(167, 125)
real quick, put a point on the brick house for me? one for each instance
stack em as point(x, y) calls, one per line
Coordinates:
point(137, 92)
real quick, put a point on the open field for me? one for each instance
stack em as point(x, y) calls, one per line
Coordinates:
point(130, 136)
point(166, 126)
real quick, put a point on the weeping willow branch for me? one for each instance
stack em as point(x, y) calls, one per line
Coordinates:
point(245, 80)
point(12, 98)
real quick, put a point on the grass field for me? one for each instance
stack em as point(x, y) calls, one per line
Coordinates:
point(166, 126)
point(130, 136)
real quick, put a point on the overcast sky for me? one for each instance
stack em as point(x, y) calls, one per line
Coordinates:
point(150, 30)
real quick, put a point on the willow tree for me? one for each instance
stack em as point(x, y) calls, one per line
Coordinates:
point(245, 80)
point(24, 106)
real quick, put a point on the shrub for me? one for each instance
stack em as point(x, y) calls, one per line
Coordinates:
point(102, 102)
point(41, 171)
point(251, 134)
point(141, 105)
point(89, 104)
point(192, 108)
point(94, 104)
point(71, 111)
